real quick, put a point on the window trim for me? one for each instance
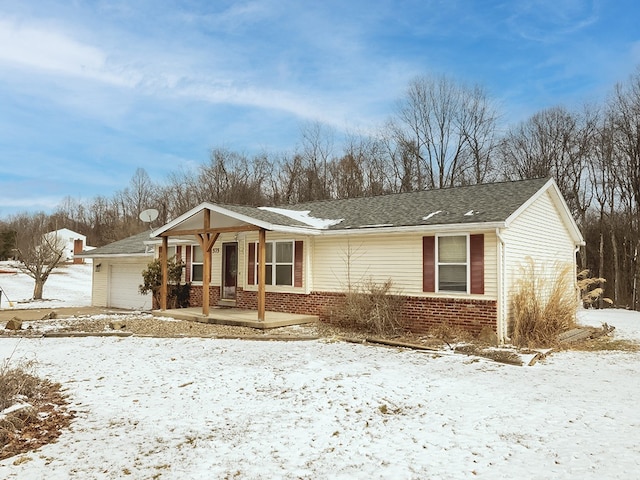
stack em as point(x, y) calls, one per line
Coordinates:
point(467, 264)
point(194, 263)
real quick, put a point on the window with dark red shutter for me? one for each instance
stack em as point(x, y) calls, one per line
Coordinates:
point(446, 256)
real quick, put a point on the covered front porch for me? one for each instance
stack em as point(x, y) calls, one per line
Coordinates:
point(206, 223)
point(237, 317)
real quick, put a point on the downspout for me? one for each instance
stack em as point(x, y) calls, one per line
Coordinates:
point(502, 291)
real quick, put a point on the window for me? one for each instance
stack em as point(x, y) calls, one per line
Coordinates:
point(197, 264)
point(278, 264)
point(452, 264)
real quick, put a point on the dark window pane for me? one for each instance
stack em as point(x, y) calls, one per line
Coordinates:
point(452, 278)
point(269, 275)
point(284, 252)
point(284, 275)
point(196, 273)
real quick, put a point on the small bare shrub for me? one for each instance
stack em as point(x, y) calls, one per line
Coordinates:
point(542, 308)
point(371, 308)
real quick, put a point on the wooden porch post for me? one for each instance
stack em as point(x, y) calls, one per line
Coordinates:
point(262, 272)
point(206, 274)
point(207, 240)
point(164, 252)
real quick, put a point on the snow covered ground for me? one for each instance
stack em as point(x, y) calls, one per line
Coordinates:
point(205, 408)
point(67, 286)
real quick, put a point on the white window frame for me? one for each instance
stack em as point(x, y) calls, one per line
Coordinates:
point(467, 264)
point(274, 263)
point(194, 263)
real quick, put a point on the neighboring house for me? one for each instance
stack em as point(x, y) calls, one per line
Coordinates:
point(454, 254)
point(72, 243)
point(117, 273)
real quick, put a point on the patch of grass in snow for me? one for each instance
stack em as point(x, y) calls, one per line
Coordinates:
point(605, 344)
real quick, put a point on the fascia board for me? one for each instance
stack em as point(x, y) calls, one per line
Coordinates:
point(214, 208)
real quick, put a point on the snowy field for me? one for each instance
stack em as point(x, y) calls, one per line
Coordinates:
point(208, 409)
point(67, 286)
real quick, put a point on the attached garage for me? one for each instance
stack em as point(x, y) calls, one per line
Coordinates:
point(124, 280)
point(117, 273)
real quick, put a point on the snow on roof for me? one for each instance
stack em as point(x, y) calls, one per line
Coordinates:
point(427, 217)
point(303, 216)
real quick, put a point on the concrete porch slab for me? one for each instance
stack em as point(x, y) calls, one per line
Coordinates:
point(237, 317)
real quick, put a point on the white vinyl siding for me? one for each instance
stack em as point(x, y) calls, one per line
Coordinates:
point(338, 261)
point(100, 283)
point(538, 234)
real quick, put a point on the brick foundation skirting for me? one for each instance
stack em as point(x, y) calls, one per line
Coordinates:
point(419, 314)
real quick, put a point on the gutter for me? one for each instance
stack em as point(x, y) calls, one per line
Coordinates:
point(384, 230)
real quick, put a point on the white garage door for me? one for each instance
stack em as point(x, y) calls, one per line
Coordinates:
point(123, 291)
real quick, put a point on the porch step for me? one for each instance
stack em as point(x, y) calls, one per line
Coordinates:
point(227, 303)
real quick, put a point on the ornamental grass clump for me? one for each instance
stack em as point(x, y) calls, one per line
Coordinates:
point(543, 306)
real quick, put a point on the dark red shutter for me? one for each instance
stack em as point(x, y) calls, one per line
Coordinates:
point(428, 264)
point(187, 257)
point(297, 264)
point(251, 264)
point(476, 249)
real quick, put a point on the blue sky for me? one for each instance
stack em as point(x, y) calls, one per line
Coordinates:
point(92, 90)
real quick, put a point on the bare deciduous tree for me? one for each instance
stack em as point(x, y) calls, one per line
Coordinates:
point(445, 134)
point(552, 143)
point(38, 249)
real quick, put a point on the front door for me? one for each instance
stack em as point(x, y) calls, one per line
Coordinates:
point(229, 270)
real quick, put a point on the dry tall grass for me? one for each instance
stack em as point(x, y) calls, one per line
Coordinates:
point(16, 385)
point(543, 306)
point(370, 308)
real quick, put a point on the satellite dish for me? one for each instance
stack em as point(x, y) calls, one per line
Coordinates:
point(148, 215)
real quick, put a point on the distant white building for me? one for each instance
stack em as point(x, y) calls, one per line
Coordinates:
point(73, 243)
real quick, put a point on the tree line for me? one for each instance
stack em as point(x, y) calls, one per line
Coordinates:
point(443, 133)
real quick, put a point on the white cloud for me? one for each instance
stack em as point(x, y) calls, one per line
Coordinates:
point(40, 47)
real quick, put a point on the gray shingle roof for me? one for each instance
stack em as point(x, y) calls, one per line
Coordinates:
point(486, 203)
point(127, 246)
